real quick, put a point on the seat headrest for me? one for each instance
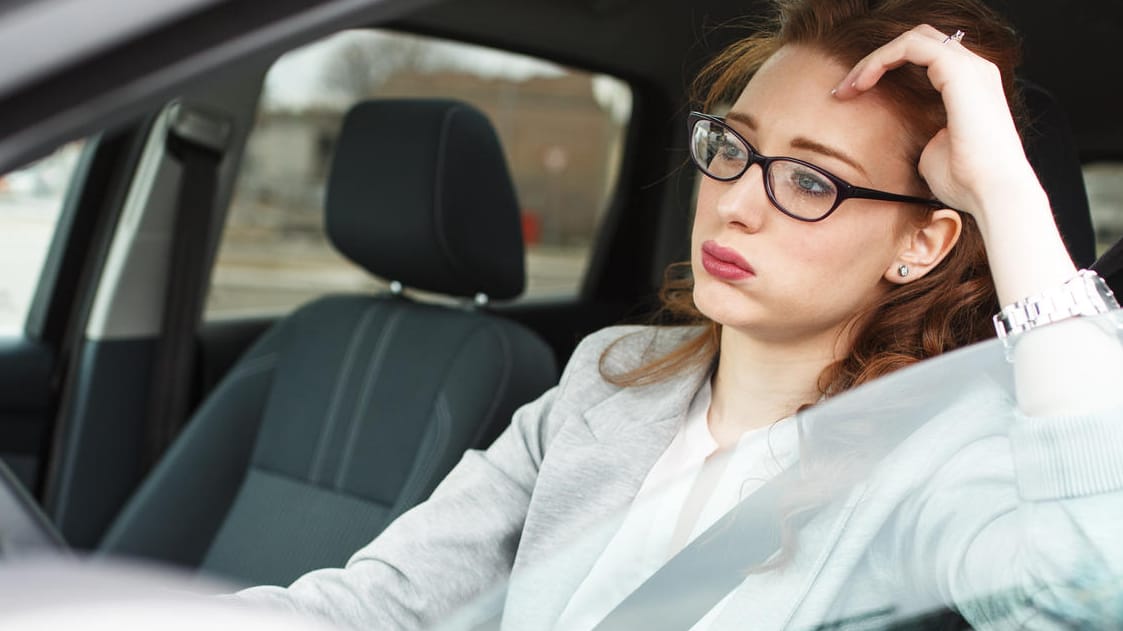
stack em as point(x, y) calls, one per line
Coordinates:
point(419, 193)
point(1051, 149)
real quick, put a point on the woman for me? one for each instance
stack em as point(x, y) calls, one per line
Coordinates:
point(806, 287)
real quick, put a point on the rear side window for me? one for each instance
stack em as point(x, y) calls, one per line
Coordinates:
point(31, 198)
point(561, 129)
point(1104, 182)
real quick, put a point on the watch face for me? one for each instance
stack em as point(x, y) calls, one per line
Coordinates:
point(1101, 290)
point(1087, 294)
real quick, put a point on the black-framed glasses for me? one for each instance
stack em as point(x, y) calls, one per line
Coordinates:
point(796, 188)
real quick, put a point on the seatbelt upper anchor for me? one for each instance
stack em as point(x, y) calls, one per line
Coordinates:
point(198, 126)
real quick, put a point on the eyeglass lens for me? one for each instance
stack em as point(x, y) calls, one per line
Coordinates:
point(796, 188)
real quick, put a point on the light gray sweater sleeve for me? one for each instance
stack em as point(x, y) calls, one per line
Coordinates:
point(1022, 531)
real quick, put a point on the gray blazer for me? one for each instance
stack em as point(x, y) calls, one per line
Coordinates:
point(1013, 519)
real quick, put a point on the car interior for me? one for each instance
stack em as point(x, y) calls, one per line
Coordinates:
point(262, 444)
point(351, 409)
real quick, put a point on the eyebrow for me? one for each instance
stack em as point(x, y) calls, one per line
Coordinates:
point(801, 142)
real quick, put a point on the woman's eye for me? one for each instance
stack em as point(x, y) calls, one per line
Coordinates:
point(727, 150)
point(811, 183)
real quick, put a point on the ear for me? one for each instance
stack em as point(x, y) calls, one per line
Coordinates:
point(923, 246)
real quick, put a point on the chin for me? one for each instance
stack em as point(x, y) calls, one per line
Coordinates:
point(731, 308)
point(725, 304)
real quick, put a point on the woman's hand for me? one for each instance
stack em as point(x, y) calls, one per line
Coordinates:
point(977, 163)
point(978, 158)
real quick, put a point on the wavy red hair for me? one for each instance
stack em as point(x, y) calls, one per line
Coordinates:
point(947, 308)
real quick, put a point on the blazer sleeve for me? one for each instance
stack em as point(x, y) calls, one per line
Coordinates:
point(1023, 531)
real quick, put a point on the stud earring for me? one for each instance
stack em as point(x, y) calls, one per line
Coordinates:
point(903, 270)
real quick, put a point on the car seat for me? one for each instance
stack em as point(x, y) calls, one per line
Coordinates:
point(350, 410)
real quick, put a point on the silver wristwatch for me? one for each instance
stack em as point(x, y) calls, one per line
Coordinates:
point(1083, 295)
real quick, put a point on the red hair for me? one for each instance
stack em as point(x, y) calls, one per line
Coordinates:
point(947, 308)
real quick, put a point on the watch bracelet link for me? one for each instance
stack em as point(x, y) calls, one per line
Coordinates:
point(1085, 294)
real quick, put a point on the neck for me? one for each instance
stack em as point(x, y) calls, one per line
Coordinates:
point(758, 382)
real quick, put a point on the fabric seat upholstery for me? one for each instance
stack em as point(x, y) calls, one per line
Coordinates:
point(350, 410)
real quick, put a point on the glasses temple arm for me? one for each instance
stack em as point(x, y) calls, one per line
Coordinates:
point(869, 193)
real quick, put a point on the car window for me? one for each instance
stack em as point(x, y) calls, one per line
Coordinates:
point(31, 199)
point(1104, 182)
point(561, 130)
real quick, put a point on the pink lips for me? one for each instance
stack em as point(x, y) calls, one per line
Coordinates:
point(724, 263)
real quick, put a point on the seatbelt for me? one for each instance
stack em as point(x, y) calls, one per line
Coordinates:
point(197, 139)
point(1110, 266)
point(711, 566)
point(717, 561)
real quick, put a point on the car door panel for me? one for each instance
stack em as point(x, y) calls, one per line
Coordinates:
point(101, 457)
point(25, 372)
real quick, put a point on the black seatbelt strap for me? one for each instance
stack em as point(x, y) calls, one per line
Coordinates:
point(1110, 266)
point(711, 566)
point(197, 139)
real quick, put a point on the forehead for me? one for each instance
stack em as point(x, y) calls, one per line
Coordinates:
point(790, 97)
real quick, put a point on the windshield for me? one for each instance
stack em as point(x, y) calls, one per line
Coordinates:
point(915, 498)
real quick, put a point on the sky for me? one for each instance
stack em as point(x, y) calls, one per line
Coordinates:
point(294, 79)
point(295, 82)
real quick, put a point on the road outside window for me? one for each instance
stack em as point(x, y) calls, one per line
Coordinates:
point(562, 131)
point(30, 201)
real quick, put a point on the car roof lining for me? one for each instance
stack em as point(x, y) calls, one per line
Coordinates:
point(138, 76)
point(665, 42)
point(92, 29)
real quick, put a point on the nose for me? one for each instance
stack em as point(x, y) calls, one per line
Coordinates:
point(744, 203)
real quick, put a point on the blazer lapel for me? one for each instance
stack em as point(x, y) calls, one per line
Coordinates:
point(585, 491)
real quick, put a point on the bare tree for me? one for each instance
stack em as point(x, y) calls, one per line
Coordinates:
point(362, 64)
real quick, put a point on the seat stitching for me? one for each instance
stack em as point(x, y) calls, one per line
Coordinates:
point(442, 414)
point(340, 387)
point(419, 466)
point(428, 460)
point(373, 372)
point(502, 385)
point(438, 197)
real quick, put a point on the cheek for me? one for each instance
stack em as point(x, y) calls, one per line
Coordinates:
point(844, 256)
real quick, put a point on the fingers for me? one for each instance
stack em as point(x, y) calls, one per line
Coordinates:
point(923, 46)
point(970, 86)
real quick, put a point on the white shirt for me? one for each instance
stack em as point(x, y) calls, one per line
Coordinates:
point(683, 495)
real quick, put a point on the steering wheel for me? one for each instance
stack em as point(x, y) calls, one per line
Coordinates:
point(24, 528)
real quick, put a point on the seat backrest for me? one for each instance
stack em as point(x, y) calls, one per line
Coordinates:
point(1051, 149)
point(350, 410)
